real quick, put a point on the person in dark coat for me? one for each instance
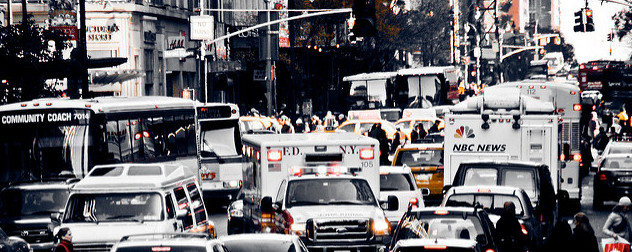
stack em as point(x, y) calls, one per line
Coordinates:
point(380, 135)
point(583, 235)
point(396, 140)
point(601, 140)
point(64, 236)
point(435, 127)
point(418, 133)
point(560, 238)
point(509, 231)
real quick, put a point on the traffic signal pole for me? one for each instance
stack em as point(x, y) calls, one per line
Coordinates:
point(271, 95)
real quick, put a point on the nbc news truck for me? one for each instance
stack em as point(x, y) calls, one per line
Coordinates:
point(503, 125)
point(321, 187)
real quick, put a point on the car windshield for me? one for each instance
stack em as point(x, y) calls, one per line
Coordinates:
point(441, 225)
point(114, 207)
point(396, 182)
point(520, 178)
point(618, 163)
point(417, 158)
point(260, 245)
point(492, 203)
point(329, 192)
point(621, 148)
point(15, 202)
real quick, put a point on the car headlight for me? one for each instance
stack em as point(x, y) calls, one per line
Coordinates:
point(298, 228)
point(381, 227)
point(235, 212)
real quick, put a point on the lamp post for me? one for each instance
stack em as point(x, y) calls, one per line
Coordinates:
point(269, 68)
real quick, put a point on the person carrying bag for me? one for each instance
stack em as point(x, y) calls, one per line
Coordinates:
point(618, 227)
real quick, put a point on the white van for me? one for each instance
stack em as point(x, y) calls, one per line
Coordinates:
point(126, 199)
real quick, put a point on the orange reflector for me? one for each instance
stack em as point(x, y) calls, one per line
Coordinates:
point(560, 110)
point(137, 136)
point(159, 249)
point(519, 86)
point(573, 92)
point(524, 229)
point(542, 87)
point(577, 107)
point(484, 190)
point(435, 247)
point(88, 105)
point(36, 104)
point(531, 87)
point(296, 171)
point(275, 155)
point(48, 104)
point(234, 111)
point(441, 212)
point(414, 201)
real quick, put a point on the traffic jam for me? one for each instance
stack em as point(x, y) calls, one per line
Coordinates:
point(496, 172)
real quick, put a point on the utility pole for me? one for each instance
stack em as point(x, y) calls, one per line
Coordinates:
point(10, 16)
point(83, 51)
point(269, 67)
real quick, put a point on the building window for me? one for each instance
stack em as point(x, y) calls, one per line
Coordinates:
point(149, 67)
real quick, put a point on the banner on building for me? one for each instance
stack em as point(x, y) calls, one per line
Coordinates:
point(284, 32)
point(62, 16)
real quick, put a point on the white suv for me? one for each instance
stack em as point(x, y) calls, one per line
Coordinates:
point(399, 182)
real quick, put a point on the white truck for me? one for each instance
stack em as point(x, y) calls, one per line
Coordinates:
point(320, 186)
point(502, 125)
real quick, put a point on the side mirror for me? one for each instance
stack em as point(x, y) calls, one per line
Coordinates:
point(56, 217)
point(425, 191)
point(278, 206)
point(445, 189)
point(393, 203)
point(266, 204)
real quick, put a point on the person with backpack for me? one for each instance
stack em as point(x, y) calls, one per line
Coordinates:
point(64, 236)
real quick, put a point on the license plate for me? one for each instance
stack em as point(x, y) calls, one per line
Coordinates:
point(625, 179)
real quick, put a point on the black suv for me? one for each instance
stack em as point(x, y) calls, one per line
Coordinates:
point(26, 209)
point(534, 179)
point(468, 223)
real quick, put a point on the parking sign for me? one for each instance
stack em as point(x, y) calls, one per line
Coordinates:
point(202, 27)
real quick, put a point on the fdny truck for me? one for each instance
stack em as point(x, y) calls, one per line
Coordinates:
point(504, 125)
point(321, 187)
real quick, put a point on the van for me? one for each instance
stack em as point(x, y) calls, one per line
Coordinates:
point(127, 199)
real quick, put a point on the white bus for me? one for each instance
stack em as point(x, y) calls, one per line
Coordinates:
point(220, 149)
point(55, 136)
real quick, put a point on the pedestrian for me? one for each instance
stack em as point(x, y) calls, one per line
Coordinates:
point(300, 127)
point(560, 237)
point(341, 119)
point(601, 140)
point(378, 133)
point(64, 238)
point(583, 235)
point(396, 140)
point(617, 225)
point(418, 133)
point(511, 238)
point(435, 128)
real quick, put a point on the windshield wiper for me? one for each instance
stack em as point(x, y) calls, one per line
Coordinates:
point(125, 217)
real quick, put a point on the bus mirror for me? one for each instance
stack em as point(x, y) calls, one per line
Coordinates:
point(393, 203)
point(55, 217)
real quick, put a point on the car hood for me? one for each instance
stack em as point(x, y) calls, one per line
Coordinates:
point(303, 213)
point(20, 222)
point(111, 232)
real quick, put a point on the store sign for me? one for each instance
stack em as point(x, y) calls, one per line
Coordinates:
point(62, 16)
point(174, 42)
point(102, 33)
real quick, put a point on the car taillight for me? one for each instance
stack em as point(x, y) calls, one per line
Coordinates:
point(275, 155)
point(577, 157)
point(524, 229)
point(435, 247)
point(414, 202)
point(603, 177)
point(440, 168)
point(490, 250)
point(367, 154)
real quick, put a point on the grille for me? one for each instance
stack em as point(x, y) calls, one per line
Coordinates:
point(354, 230)
point(33, 235)
point(575, 136)
point(93, 247)
point(566, 134)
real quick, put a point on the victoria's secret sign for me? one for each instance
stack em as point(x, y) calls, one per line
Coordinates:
point(101, 32)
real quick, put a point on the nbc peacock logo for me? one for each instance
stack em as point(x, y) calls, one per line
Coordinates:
point(464, 131)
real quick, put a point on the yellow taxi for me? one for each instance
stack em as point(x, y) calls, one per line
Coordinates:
point(256, 123)
point(363, 126)
point(426, 163)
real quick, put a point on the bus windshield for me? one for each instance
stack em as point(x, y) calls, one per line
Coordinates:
point(220, 138)
point(33, 148)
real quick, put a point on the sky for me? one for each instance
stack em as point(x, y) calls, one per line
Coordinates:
point(594, 45)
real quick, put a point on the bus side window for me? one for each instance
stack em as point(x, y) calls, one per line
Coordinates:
point(170, 207)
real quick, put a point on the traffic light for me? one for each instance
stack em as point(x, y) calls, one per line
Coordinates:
point(590, 26)
point(364, 12)
point(579, 21)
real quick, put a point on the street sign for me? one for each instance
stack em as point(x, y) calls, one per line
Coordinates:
point(177, 53)
point(202, 27)
point(259, 75)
